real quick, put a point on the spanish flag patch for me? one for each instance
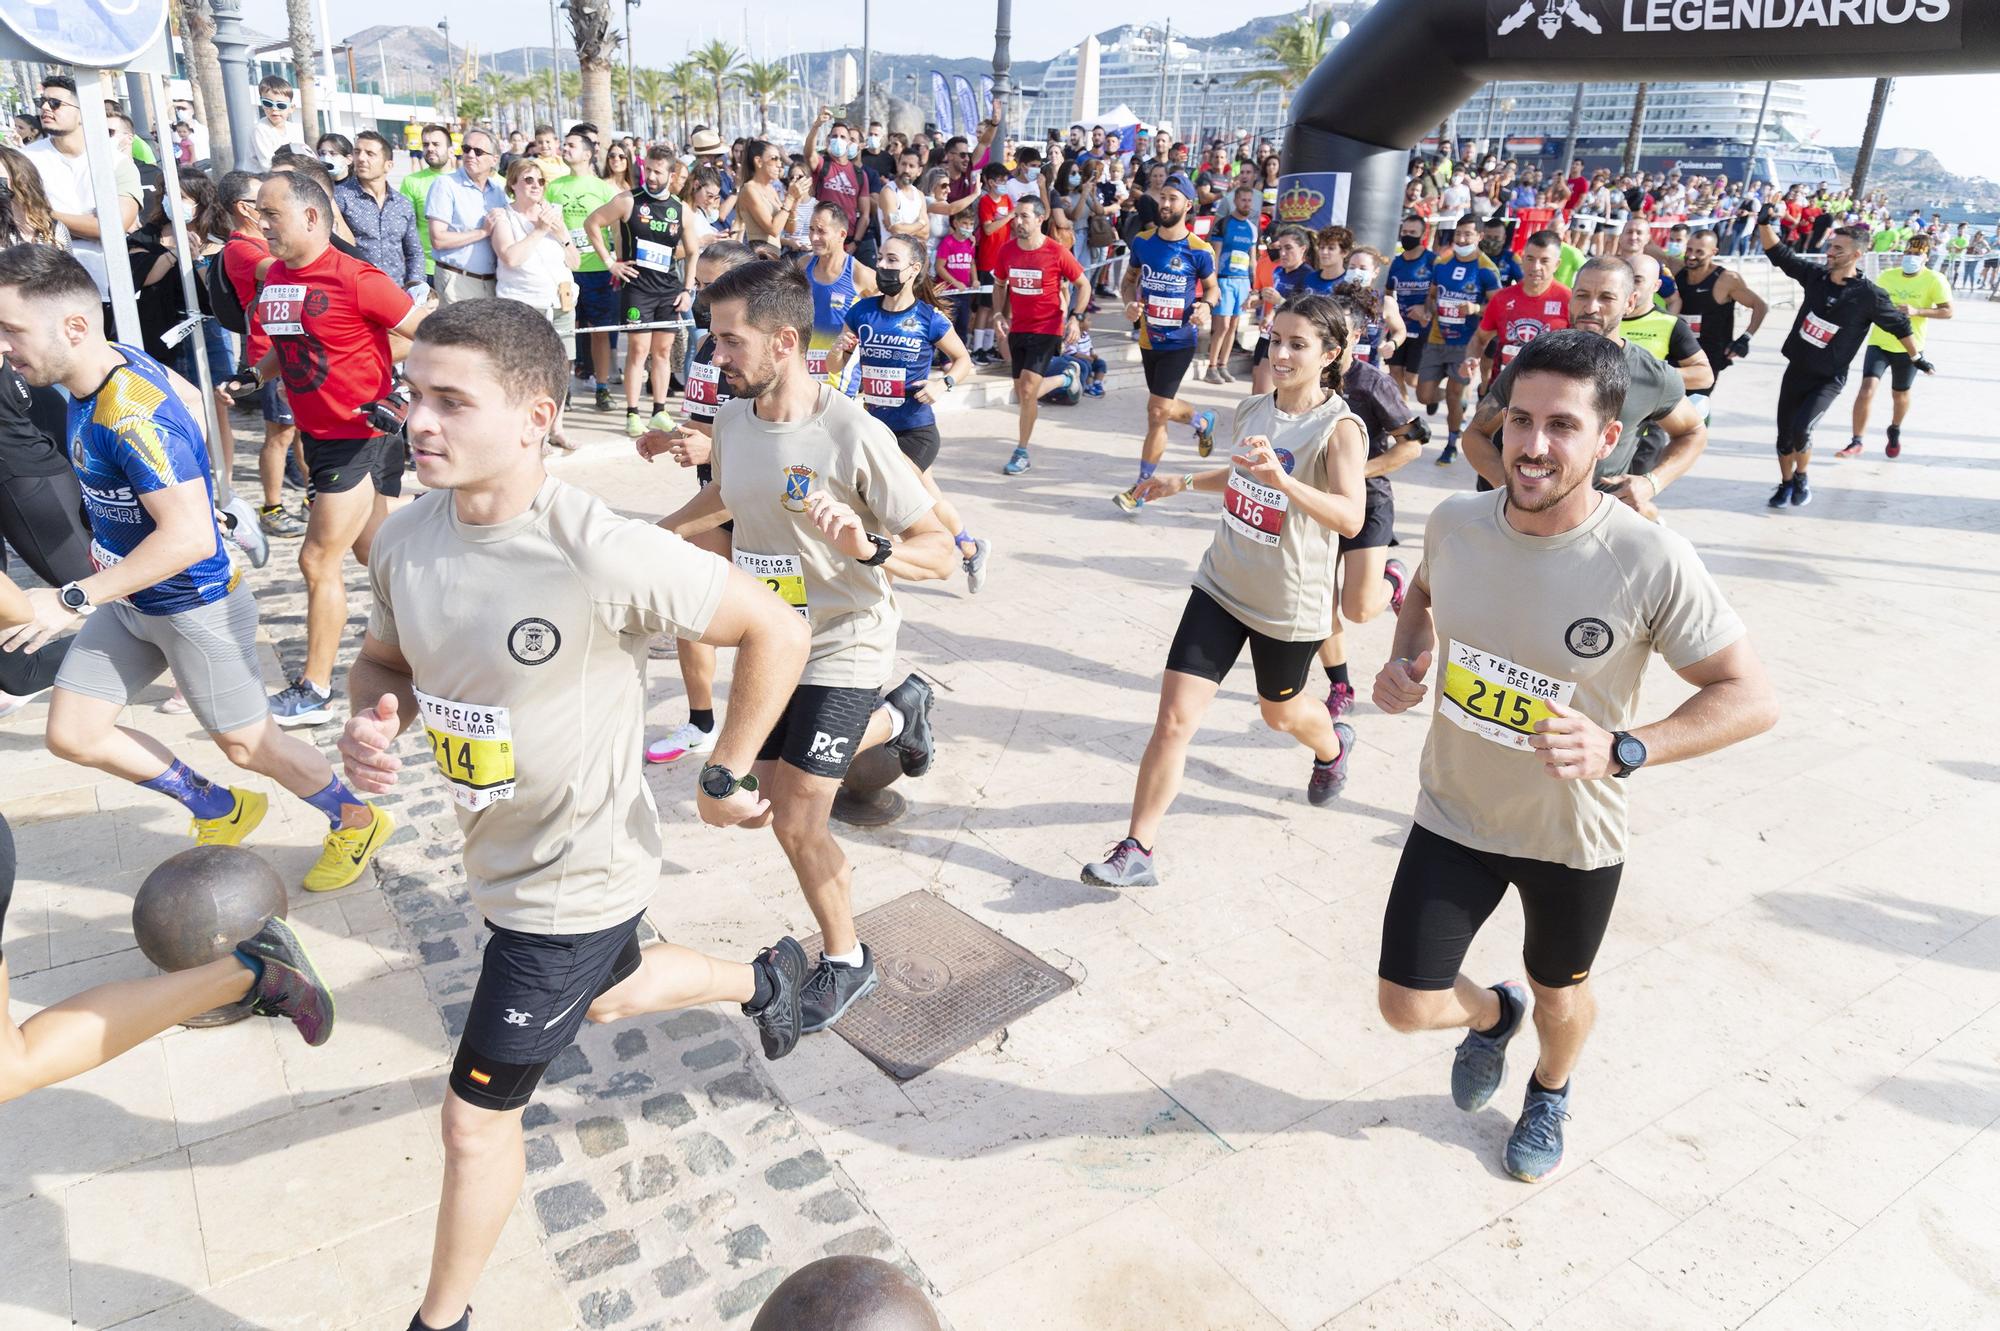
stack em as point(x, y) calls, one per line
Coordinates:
point(478, 1076)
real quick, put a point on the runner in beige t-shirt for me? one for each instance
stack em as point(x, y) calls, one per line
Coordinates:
point(1293, 488)
point(1542, 603)
point(511, 619)
point(827, 510)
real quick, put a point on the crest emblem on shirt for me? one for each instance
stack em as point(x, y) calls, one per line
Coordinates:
point(645, 213)
point(1286, 460)
point(533, 641)
point(1589, 637)
point(316, 302)
point(799, 480)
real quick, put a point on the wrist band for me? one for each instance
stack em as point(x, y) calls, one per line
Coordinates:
point(1187, 480)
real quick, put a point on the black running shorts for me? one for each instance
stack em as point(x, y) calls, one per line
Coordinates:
point(1902, 371)
point(920, 445)
point(533, 992)
point(337, 465)
point(1030, 353)
point(821, 729)
point(1444, 891)
point(1378, 523)
point(1165, 369)
point(1210, 639)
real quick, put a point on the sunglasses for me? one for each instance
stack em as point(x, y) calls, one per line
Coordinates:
point(51, 103)
point(471, 151)
point(530, 180)
point(270, 105)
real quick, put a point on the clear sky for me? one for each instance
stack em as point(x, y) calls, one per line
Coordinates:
point(1935, 113)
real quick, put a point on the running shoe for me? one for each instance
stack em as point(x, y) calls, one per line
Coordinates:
point(663, 420)
point(1535, 1148)
point(635, 424)
point(784, 962)
point(1128, 865)
point(1430, 408)
point(1329, 779)
point(981, 357)
point(1853, 449)
point(689, 738)
point(1204, 433)
point(1227, 377)
point(1780, 496)
point(280, 521)
point(346, 852)
point(1801, 491)
point(1399, 582)
point(301, 704)
point(1480, 1064)
point(1019, 462)
point(230, 829)
point(832, 989)
point(1449, 454)
point(1093, 389)
point(1212, 376)
point(240, 524)
point(1128, 501)
point(1339, 700)
point(915, 747)
point(1894, 446)
point(287, 985)
point(603, 402)
point(975, 565)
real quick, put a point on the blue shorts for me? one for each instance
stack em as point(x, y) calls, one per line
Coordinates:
point(277, 411)
point(1235, 294)
point(596, 305)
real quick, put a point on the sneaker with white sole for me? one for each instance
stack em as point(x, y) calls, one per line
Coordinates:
point(975, 565)
point(301, 704)
point(688, 739)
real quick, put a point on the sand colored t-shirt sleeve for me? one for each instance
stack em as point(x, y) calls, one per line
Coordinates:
point(643, 580)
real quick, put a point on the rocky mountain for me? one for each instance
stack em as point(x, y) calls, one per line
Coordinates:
point(1915, 178)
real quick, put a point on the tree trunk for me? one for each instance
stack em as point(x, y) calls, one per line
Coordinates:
point(1632, 134)
point(1865, 156)
point(298, 18)
point(209, 106)
point(597, 107)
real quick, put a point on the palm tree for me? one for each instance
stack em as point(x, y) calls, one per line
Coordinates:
point(1878, 103)
point(690, 85)
point(198, 39)
point(763, 81)
point(596, 53)
point(1296, 49)
point(494, 89)
point(299, 23)
point(655, 89)
point(1632, 132)
point(722, 63)
point(572, 89)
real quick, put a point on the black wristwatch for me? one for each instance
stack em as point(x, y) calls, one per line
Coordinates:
point(1628, 752)
point(949, 383)
point(884, 547)
point(719, 783)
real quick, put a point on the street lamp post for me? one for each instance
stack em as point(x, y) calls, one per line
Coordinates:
point(555, 70)
point(1003, 59)
point(450, 74)
point(867, 70)
point(631, 120)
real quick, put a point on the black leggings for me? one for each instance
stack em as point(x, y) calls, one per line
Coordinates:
point(1803, 398)
point(31, 672)
point(42, 517)
point(6, 876)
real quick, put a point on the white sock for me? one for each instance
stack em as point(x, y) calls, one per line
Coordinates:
point(896, 722)
point(853, 958)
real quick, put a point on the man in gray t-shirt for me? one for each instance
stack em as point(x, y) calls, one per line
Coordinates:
point(1598, 300)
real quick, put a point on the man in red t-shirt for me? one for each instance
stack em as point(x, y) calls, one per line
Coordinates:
point(329, 318)
point(995, 211)
point(1039, 294)
point(1518, 314)
point(244, 258)
point(1579, 185)
point(838, 178)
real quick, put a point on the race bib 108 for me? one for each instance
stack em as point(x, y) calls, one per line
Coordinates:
point(1495, 698)
point(882, 385)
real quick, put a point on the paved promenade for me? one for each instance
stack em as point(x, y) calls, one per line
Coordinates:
point(1786, 1118)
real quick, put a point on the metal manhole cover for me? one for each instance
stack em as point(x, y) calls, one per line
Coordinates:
point(947, 983)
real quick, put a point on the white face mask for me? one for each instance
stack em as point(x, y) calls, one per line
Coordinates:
point(1465, 251)
point(336, 164)
point(1913, 264)
point(874, 143)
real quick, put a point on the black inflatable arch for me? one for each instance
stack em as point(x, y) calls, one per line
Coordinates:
point(1409, 63)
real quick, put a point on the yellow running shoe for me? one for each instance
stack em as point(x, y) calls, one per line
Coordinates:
point(347, 852)
point(231, 828)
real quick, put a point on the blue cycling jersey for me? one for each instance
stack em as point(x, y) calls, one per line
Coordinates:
point(130, 438)
point(1462, 288)
point(893, 359)
point(1171, 273)
point(830, 303)
point(1299, 281)
point(1410, 283)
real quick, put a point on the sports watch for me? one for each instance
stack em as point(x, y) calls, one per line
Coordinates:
point(75, 599)
point(1628, 751)
point(719, 783)
point(884, 547)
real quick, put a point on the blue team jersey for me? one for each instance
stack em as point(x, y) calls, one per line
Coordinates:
point(1410, 283)
point(1236, 246)
point(130, 438)
point(1299, 281)
point(893, 359)
point(830, 303)
point(1508, 267)
point(1170, 276)
point(1462, 287)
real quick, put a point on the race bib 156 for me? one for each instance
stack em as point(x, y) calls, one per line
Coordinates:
point(1253, 510)
point(1495, 698)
